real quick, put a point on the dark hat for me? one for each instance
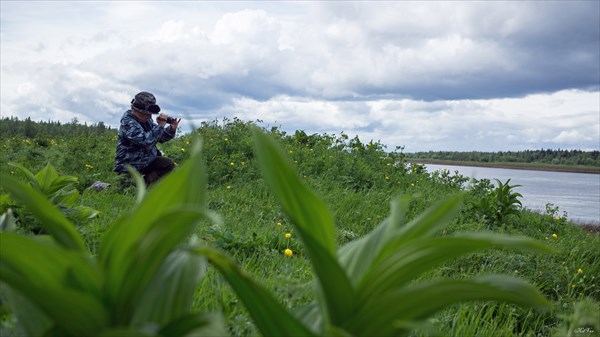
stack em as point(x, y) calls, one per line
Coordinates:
point(145, 102)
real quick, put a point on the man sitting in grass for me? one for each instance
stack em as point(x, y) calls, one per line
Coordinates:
point(138, 135)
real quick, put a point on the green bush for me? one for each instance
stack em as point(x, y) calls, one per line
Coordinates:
point(59, 190)
point(501, 205)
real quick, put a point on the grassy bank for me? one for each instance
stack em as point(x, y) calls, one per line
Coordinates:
point(514, 166)
point(357, 182)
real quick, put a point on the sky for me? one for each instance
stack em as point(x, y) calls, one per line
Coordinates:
point(423, 75)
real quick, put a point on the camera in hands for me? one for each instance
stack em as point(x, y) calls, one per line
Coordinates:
point(169, 120)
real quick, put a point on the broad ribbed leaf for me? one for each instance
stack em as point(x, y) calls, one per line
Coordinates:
point(357, 256)
point(28, 174)
point(170, 293)
point(271, 318)
point(21, 256)
point(195, 325)
point(314, 223)
point(425, 224)
point(145, 257)
point(65, 286)
point(409, 262)
point(61, 229)
point(45, 177)
point(36, 322)
point(386, 315)
point(58, 184)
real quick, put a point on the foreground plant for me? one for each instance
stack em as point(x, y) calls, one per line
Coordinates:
point(369, 286)
point(142, 281)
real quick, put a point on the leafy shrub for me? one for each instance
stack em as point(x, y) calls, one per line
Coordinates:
point(500, 205)
point(59, 190)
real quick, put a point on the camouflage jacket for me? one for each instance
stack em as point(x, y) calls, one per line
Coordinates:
point(137, 142)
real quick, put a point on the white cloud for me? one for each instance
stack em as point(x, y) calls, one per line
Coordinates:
point(460, 75)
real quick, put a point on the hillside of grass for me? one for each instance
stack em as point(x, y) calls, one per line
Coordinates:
point(357, 182)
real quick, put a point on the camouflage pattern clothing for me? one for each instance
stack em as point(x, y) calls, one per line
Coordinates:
point(137, 142)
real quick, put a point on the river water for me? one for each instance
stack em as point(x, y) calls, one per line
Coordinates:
point(578, 194)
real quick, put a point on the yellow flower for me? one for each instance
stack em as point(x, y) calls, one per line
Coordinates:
point(291, 151)
point(573, 286)
point(182, 150)
point(389, 164)
point(289, 235)
point(288, 252)
point(580, 271)
point(232, 164)
point(279, 224)
point(557, 218)
point(554, 236)
point(228, 187)
point(412, 184)
point(88, 166)
point(225, 139)
point(387, 178)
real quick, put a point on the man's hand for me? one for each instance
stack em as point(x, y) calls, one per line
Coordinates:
point(175, 124)
point(161, 119)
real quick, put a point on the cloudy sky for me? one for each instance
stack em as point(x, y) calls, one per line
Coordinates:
point(449, 75)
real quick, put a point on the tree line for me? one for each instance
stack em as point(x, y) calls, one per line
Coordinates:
point(543, 156)
point(10, 127)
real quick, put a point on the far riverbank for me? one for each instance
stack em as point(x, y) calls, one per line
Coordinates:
point(515, 166)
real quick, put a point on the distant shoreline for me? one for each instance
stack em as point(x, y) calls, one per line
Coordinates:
point(515, 166)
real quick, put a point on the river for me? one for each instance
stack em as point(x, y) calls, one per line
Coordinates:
point(578, 194)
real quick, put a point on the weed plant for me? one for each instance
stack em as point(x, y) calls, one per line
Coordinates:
point(357, 181)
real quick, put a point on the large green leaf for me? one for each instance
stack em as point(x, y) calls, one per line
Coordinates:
point(271, 318)
point(357, 256)
point(195, 325)
point(49, 216)
point(313, 222)
point(64, 284)
point(170, 293)
point(37, 322)
point(31, 178)
point(126, 286)
point(413, 259)
point(391, 313)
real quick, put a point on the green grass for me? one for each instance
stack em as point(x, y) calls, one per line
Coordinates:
point(357, 181)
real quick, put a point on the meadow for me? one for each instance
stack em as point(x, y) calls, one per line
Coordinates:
point(360, 184)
